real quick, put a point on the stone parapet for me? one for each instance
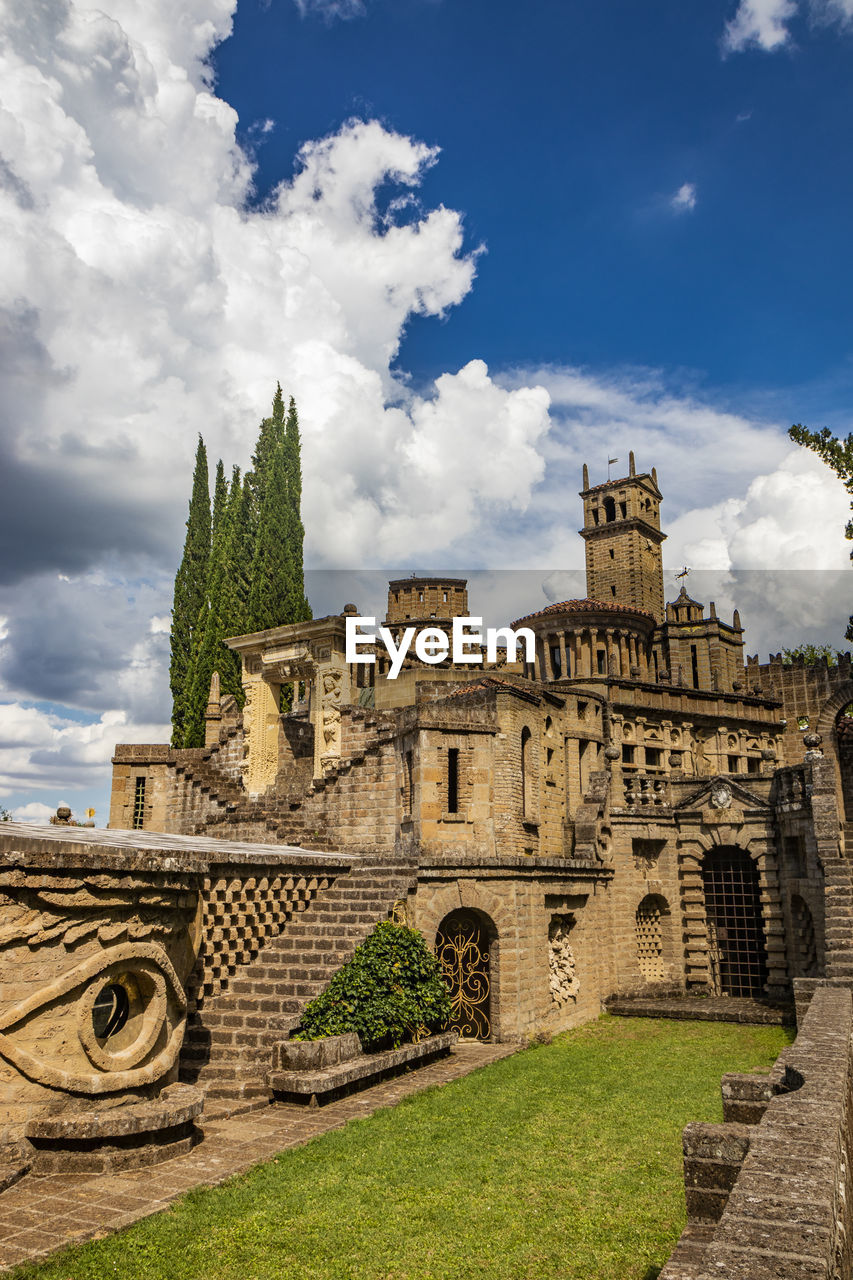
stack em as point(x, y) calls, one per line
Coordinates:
point(790, 1211)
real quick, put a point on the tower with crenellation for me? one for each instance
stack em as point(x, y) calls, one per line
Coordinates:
point(623, 540)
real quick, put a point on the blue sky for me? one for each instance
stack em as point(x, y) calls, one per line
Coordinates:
point(565, 131)
point(481, 243)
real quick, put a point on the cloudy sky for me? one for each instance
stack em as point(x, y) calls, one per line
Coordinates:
point(480, 242)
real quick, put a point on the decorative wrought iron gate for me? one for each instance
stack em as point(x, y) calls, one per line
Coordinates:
point(462, 948)
point(736, 946)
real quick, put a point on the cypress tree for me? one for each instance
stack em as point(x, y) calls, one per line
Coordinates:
point(270, 595)
point(299, 609)
point(220, 616)
point(190, 582)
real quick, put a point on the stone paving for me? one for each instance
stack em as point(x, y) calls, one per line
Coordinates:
point(704, 1009)
point(39, 1215)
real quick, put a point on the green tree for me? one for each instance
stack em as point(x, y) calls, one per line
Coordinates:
point(190, 583)
point(812, 654)
point(5, 815)
point(837, 454)
point(299, 608)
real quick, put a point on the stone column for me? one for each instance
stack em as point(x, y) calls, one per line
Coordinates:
point(546, 654)
point(260, 728)
point(331, 691)
point(564, 658)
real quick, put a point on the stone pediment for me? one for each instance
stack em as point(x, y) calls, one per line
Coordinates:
point(721, 794)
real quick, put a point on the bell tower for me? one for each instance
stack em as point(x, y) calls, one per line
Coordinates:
point(621, 529)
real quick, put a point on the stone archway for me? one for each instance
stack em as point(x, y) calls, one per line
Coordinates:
point(836, 729)
point(463, 945)
point(737, 948)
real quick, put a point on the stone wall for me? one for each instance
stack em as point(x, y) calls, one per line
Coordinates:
point(790, 1210)
point(143, 925)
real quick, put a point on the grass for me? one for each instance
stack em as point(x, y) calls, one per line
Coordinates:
point(564, 1160)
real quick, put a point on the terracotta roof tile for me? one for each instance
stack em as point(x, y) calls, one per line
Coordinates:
point(586, 606)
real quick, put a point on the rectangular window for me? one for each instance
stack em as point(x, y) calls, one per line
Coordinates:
point(694, 658)
point(627, 754)
point(556, 662)
point(753, 764)
point(453, 780)
point(612, 553)
point(653, 757)
point(601, 662)
point(139, 804)
point(734, 764)
point(407, 784)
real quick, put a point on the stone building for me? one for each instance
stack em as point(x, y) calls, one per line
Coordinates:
point(629, 807)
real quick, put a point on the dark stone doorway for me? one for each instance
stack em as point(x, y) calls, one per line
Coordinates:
point(737, 951)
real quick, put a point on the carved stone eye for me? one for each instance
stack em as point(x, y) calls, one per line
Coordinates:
point(128, 1008)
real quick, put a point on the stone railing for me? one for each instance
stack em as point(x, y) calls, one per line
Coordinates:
point(645, 791)
point(789, 1211)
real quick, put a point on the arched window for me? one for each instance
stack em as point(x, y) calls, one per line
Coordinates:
point(526, 778)
point(609, 509)
point(649, 926)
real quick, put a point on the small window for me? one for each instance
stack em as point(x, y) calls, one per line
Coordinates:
point(734, 764)
point(612, 553)
point(753, 764)
point(595, 515)
point(407, 783)
point(627, 754)
point(612, 589)
point(421, 596)
point(556, 661)
point(601, 661)
point(653, 757)
point(453, 780)
point(609, 509)
point(139, 804)
point(582, 710)
point(694, 659)
point(444, 596)
point(623, 510)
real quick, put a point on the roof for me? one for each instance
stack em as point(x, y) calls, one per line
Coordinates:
point(588, 606)
point(492, 682)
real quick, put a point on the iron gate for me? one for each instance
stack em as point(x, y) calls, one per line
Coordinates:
point(736, 946)
point(462, 948)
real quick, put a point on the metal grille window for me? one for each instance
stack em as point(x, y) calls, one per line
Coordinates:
point(736, 946)
point(139, 804)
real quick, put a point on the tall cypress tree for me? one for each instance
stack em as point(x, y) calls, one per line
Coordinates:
point(299, 609)
point(270, 595)
point(242, 574)
point(216, 620)
point(190, 583)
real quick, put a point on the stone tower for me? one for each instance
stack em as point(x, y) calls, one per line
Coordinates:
point(623, 540)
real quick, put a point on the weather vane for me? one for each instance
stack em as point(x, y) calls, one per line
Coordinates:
point(610, 462)
point(684, 572)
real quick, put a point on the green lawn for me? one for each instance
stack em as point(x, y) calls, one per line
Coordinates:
point(563, 1161)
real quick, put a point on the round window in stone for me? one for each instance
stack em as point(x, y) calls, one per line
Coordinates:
point(110, 1011)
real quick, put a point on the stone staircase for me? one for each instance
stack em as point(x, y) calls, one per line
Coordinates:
point(229, 1039)
point(208, 788)
point(838, 873)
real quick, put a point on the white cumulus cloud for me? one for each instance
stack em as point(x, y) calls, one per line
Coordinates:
point(759, 22)
point(684, 198)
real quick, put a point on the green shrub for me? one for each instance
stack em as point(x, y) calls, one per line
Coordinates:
point(390, 991)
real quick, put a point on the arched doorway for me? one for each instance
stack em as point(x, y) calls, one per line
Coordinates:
point(737, 951)
point(463, 946)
